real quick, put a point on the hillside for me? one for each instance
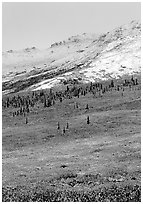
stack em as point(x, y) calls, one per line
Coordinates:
point(51, 152)
point(81, 59)
point(76, 141)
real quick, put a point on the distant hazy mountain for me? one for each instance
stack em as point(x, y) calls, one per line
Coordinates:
point(84, 58)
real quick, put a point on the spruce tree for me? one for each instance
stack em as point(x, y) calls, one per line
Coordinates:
point(88, 121)
point(87, 107)
point(58, 125)
point(26, 120)
point(64, 130)
point(67, 125)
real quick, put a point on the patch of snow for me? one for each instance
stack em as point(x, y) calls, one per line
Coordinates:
point(48, 83)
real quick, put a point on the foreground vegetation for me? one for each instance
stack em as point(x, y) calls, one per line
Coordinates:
point(81, 143)
point(112, 194)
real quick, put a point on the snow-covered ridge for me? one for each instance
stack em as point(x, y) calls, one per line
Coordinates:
point(84, 58)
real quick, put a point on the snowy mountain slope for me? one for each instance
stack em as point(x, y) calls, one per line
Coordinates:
point(83, 58)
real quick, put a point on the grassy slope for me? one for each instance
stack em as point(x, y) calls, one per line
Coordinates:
point(84, 159)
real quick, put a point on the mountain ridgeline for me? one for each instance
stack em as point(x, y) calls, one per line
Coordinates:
point(80, 59)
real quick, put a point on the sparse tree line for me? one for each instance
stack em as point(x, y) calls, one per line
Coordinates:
point(24, 104)
point(66, 127)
